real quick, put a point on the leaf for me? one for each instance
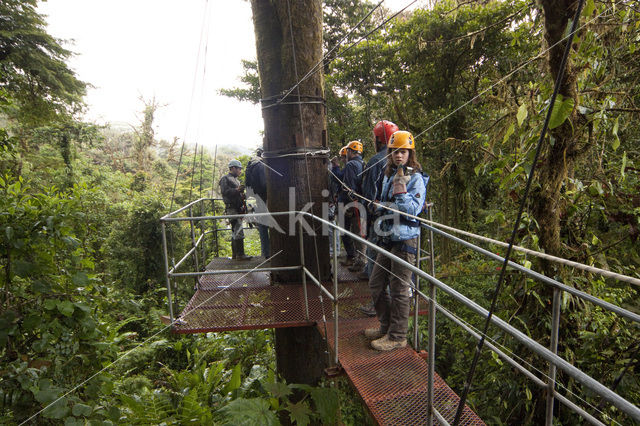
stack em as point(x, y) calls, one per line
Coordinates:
point(616, 141)
point(561, 111)
point(235, 381)
point(81, 410)
point(299, 413)
point(624, 165)
point(522, 114)
point(277, 389)
point(254, 411)
point(65, 308)
point(326, 403)
point(57, 410)
point(80, 279)
point(507, 135)
point(589, 7)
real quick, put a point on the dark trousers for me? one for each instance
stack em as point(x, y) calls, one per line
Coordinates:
point(392, 307)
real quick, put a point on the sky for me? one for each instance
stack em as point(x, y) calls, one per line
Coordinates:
point(135, 50)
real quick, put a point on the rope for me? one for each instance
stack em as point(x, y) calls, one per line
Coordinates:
point(523, 203)
point(193, 170)
point(297, 153)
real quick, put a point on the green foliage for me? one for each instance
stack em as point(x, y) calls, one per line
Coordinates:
point(32, 67)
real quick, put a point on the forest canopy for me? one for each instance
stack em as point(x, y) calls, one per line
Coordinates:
point(81, 272)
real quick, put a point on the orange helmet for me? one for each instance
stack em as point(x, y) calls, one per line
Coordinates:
point(343, 151)
point(402, 140)
point(355, 145)
point(384, 129)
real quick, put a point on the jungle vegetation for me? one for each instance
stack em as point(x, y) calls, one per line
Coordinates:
point(81, 274)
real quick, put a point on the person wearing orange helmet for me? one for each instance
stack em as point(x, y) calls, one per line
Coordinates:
point(352, 217)
point(403, 189)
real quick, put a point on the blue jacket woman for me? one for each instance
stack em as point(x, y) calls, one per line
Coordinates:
point(403, 189)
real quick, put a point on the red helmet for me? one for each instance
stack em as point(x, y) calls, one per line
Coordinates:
point(384, 129)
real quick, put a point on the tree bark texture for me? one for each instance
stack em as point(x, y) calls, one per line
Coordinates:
point(558, 158)
point(292, 126)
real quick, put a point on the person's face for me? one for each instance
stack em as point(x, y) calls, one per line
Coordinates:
point(343, 158)
point(400, 156)
point(236, 171)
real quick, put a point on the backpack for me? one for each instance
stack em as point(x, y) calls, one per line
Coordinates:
point(255, 178)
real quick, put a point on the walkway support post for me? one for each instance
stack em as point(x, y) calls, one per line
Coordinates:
point(553, 347)
point(304, 273)
point(166, 269)
point(193, 244)
point(432, 326)
point(335, 295)
point(416, 296)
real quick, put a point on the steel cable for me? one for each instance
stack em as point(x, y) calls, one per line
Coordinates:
point(543, 133)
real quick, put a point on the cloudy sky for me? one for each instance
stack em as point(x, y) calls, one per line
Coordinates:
point(140, 49)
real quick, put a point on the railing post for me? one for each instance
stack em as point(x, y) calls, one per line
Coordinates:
point(432, 327)
point(166, 270)
point(304, 273)
point(335, 294)
point(416, 296)
point(553, 347)
point(202, 230)
point(193, 244)
point(215, 227)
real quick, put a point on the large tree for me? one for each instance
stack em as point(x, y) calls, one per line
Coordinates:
point(33, 70)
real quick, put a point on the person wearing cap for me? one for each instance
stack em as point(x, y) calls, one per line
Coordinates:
point(404, 190)
point(234, 200)
point(352, 218)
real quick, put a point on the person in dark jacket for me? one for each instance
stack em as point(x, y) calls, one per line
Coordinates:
point(351, 207)
point(372, 183)
point(371, 188)
point(256, 180)
point(233, 196)
point(403, 189)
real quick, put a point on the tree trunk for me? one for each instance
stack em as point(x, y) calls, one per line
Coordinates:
point(294, 127)
point(560, 157)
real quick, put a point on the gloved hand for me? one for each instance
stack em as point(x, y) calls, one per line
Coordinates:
point(400, 181)
point(241, 188)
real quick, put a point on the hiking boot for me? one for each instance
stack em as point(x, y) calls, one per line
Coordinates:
point(347, 262)
point(373, 333)
point(363, 276)
point(384, 344)
point(357, 266)
point(368, 309)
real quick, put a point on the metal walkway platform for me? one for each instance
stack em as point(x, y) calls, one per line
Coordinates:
point(245, 301)
point(392, 384)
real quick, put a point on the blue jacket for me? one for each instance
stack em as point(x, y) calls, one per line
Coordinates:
point(410, 202)
point(352, 178)
point(372, 176)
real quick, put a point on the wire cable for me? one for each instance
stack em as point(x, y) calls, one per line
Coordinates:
point(121, 357)
point(543, 133)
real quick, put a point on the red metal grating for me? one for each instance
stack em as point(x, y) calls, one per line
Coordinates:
point(243, 301)
point(392, 384)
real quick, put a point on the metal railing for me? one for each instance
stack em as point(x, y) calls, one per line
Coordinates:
point(548, 354)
